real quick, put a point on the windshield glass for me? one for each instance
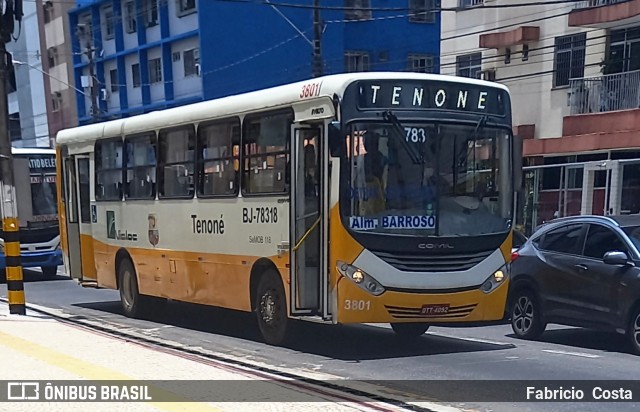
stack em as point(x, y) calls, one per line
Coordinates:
point(36, 178)
point(634, 234)
point(428, 179)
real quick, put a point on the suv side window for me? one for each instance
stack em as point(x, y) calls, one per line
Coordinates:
point(564, 239)
point(600, 240)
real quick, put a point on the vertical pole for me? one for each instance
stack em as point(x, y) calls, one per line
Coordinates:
point(317, 32)
point(94, 81)
point(10, 225)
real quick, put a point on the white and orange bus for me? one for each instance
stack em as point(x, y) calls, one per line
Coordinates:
point(350, 198)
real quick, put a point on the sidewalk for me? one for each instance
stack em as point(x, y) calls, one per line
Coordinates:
point(37, 347)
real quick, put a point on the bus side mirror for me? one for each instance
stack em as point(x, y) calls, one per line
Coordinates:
point(517, 163)
point(335, 141)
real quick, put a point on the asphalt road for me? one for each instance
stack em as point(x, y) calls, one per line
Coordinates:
point(373, 352)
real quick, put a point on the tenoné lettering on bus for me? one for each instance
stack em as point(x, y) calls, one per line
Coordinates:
point(207, 226)
point(431, 95)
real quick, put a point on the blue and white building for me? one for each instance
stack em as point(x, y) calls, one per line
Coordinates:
point(153, 54)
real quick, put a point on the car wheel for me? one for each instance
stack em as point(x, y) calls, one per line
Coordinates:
point(633, 331)
point(409, 330)
point(526, 315)
point(271, 309)
point(49, 271)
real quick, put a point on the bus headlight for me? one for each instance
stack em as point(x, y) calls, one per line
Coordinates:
point(496, 279)
point(360, 278)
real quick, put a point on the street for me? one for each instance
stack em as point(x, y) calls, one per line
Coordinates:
point(368, 352)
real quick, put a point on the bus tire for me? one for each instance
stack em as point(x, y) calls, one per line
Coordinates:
point(527, 320)
point(49, 271)
point(271, 308)
point(130, 297)
point(409, 330)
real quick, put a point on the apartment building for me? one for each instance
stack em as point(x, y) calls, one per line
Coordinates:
point(135, 56)
point(574, 73)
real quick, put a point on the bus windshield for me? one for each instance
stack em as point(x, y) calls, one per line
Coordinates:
point(428, 179)
point(36, 175)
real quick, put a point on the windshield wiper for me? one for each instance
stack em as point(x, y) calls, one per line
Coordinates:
point(416, 158)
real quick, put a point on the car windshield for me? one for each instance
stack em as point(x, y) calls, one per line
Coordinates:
point(634, 234)
point(428, 179)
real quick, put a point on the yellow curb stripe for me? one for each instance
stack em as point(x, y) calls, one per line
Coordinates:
point(16, 297)
point(92, 371)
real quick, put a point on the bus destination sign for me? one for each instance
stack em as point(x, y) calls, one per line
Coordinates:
point(412, 94)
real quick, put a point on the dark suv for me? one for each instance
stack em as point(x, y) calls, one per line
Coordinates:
point(579, 271)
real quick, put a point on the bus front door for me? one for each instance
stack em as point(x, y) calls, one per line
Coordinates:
point(79, 235)
point(309, 281)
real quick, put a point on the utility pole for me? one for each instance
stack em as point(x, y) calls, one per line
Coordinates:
point(85, 37)
point(317, 34)
point(10, 222)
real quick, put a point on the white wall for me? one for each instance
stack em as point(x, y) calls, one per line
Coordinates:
point(134, 95)
point(534, 99)
point(185, 86)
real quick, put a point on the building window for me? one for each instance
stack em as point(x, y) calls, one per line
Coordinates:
point(356, 61)
point(150, 12)
point(422, 11)
point(140, 172)
point(52, 54)
point(219, 158)
point(465, 4)
point(113, 78)
point(469, 65)
point(266, 151)
point(15, 130)
point(357, 9)
point(421, 63)
point(569, 58)
point(48, 11)
point(56, 102)
point(155, 70)
point(186, 7)
point(108, 159)
point(191, 62)
point(176, 158)
point(135, 74)
point(108, 23)
point(130, 16)
point(624, 55)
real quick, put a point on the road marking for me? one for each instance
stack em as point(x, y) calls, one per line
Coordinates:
point(580, 354)
point(92, 371)
point(478, 340)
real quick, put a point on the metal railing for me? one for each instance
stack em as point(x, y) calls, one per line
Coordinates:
point(606, 93)
point(596, 3)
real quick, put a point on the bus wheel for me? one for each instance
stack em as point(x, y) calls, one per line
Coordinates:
point(49, 271)
point(271, 308)
point(129, 295)
point(409, 330)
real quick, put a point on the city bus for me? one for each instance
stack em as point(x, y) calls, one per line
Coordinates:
point(350, 198)
point(34, 172)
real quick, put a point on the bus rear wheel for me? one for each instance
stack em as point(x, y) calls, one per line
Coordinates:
point(271, 308)
point(130, 297)
point(409, 330)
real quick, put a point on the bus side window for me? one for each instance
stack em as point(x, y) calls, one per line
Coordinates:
point(176, 152)
point(218, 158)
point(140, 166)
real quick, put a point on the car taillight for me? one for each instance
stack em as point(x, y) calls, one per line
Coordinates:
point(514, 256)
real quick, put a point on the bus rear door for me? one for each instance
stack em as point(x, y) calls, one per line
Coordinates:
point(309, 204)
point(79, 235)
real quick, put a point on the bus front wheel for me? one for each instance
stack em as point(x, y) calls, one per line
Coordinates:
point(409, 330)
point(128, 285)
point(271, 308)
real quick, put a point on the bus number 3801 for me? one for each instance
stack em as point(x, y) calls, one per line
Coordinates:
point(354, 304)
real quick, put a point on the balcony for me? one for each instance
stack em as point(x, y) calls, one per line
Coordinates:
point(605, 14)
point(611, 92)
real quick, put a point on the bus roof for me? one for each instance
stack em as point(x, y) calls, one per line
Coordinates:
point(32, 151)
point(242, 103)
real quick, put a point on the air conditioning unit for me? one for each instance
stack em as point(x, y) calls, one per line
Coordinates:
point(489, 75)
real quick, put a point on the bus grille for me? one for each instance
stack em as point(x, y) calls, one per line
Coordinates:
point(433, 263)
point(454, 312)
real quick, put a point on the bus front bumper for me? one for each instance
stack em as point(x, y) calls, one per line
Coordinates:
point(36, 259)
point(354, 305)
